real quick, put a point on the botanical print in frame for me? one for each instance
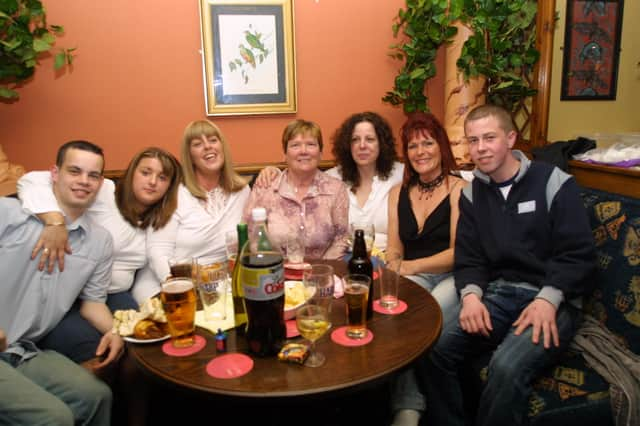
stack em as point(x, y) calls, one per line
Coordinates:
point(248, 58)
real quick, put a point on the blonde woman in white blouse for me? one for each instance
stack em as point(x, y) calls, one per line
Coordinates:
point(210, 201)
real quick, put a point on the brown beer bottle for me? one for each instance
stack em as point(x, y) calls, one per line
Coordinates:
point(360, 263)
point(262, 278)
point(239, 310)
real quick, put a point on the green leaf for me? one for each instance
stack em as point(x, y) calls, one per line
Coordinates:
point(504, 85)
point(60, 60)
point(417, 73)
point(8, 93)
point(40, 45)
point(48, 38)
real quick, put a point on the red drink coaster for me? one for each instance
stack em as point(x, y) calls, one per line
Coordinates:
point(400, 308)
point(170, 350)
point(292, 329)
point(229, 366)
point(340, 337)
point(294, 271)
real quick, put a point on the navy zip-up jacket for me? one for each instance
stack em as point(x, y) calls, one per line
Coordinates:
point(539, 235)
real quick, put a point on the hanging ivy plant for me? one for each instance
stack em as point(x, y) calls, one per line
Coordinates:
point(426, 26)
point(24, 37)
point(502, 48)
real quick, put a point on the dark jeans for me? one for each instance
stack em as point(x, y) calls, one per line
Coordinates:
point(74, 337)
point(513, 366)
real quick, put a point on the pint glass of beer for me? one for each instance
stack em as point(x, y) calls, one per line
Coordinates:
point(356, 294)
point(179, 302)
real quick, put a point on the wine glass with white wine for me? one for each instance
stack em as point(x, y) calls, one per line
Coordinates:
point(313, 322)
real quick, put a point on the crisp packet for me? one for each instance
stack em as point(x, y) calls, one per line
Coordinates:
point(296, 353)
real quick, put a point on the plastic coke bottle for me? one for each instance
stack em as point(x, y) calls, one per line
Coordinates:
point(262, 279)
point(360, 263)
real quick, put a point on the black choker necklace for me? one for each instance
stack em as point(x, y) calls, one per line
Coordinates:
point(429, 187)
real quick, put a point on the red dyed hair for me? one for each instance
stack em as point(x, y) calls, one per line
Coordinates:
point(424, 124)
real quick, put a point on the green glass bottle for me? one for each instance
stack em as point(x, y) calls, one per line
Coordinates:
point(239, 309)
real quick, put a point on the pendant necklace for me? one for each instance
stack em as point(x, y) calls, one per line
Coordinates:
point(429, 187)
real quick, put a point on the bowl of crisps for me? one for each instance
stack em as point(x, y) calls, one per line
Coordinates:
point(295, 296)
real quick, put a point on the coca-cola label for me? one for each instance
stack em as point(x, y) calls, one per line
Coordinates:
point(262, 283)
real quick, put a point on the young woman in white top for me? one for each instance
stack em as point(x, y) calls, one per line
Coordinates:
point(365, 153)
point(142, 202)
point(210, 202)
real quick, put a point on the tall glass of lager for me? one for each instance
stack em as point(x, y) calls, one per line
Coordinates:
point(179, 302)
point(356, 294)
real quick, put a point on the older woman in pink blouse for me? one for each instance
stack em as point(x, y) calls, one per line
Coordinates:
point(304, 200)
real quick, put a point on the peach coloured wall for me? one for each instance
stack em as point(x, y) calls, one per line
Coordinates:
point(137, 79)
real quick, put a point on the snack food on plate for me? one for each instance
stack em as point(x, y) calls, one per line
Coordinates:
point(294, 294)
point(148, 329)
point(148, 323)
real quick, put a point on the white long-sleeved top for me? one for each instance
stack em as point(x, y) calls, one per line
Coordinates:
point(375, 209)
point(193, 232)
point(129, 243)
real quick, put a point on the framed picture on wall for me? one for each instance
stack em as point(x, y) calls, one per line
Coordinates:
point(248, 56)
point(591, 50)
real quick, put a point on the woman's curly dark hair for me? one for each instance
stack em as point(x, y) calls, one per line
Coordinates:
point(342, 147)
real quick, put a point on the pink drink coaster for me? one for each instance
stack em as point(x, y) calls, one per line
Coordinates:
point(170, 350)
point(229, 366)
point(292, 329)
point(400, 308)
point(340, 337)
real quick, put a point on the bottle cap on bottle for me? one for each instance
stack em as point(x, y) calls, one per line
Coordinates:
point(259, 214)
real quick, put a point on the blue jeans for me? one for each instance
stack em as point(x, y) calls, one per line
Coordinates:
point(50, 389)
point(515, 362)
point(74, 337)
point(405, 391)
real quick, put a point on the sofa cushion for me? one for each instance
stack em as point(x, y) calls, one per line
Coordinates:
point(568, 393)
point(615, 221)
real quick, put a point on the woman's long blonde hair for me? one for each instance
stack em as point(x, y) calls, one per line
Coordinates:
point(230, 180)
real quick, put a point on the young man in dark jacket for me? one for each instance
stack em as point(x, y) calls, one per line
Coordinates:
point(524, 251)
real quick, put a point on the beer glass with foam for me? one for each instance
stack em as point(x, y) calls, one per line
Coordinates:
point(356, 294)
point(178, 298)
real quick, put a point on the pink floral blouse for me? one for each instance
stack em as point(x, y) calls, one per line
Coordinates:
point(323, 214)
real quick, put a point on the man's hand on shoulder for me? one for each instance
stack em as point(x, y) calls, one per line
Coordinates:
point(110, 345)
point(540, 314)
point(474, 316)
point(3, 341)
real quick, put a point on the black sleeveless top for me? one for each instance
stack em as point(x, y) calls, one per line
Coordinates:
point(434, 237)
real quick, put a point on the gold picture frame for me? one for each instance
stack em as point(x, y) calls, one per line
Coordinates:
point(248, 56)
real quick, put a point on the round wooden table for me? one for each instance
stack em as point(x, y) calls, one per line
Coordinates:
point(398, 340)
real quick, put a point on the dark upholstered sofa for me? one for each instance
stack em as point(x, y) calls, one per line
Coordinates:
point(571, 392)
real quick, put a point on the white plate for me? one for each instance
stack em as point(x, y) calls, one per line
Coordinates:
point(134, 340)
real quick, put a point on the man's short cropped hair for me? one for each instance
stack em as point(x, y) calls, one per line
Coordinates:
point(505, 121)
point(81, 145)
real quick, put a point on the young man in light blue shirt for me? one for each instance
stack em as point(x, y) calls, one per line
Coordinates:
point(44, 387)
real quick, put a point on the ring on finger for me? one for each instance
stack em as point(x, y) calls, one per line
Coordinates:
point(45, 251)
